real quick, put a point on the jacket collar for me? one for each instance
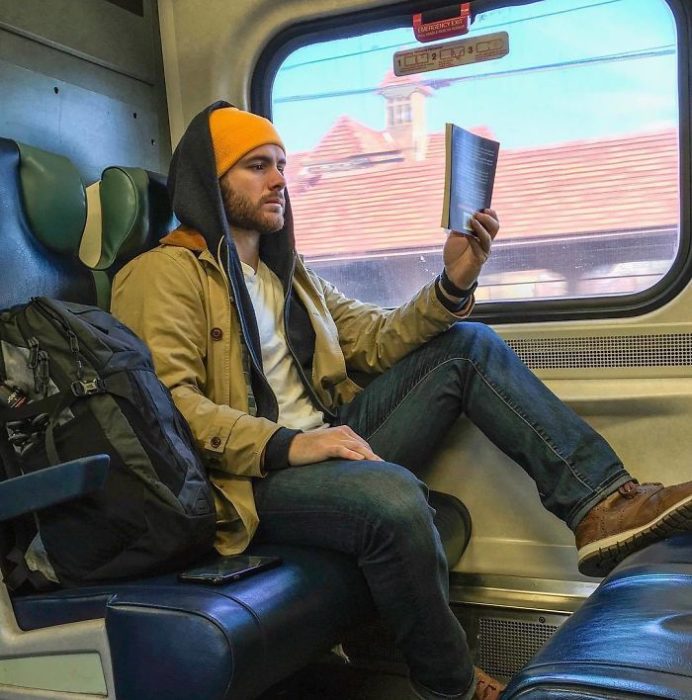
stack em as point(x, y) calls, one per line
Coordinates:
point(185, 237)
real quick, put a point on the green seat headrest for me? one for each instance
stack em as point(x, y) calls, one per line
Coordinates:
point(53, 197)
point(135, 214)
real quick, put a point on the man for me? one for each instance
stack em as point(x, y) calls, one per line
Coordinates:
point(256, 350)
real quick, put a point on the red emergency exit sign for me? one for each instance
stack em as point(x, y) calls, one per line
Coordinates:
point(442, 28)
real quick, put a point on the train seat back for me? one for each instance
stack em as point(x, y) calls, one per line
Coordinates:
point(42, 215)
point(129, 211)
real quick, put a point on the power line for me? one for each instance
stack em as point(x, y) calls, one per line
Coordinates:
point(668, 50)
point(412, 44)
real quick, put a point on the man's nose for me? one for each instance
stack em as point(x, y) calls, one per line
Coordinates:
point(278, 180)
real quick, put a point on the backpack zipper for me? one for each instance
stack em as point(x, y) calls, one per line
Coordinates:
point(80, 387)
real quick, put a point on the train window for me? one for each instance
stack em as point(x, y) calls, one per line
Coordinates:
point(585, 105)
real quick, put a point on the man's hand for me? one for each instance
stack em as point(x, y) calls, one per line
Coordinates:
point(465, 255)
point(328, 443)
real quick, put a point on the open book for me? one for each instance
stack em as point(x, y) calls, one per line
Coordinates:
point(469, 176)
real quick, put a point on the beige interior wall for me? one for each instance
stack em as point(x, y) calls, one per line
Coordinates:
point(211, 46)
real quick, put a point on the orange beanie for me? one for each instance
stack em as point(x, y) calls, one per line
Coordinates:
point(235, 132)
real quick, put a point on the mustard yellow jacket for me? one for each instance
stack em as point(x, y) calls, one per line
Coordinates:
point(177, 298)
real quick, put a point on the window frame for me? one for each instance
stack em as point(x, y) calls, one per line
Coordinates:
point(397, 15)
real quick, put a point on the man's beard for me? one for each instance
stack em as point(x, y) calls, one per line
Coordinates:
point(242, 212)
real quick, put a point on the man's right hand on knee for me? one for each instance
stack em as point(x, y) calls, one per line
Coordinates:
point(329, 443)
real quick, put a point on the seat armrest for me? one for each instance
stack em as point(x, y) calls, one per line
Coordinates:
point(53, 485)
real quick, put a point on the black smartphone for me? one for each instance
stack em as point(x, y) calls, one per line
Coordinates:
point(225, 569)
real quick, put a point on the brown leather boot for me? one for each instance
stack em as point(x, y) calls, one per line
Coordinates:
point(487, 688)
point(629, 519)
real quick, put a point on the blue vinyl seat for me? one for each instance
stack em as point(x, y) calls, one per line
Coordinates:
point(176, 641)
point(151, 638)
point(631, 639)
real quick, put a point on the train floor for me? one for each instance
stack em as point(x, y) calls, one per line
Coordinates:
point(329, 681)
point(366, 667)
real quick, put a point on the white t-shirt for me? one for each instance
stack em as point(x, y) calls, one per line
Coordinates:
point(296, 410)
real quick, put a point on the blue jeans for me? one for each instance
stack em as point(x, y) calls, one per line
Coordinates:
point(378, 513)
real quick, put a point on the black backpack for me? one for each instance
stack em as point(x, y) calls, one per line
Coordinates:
point(76, 382)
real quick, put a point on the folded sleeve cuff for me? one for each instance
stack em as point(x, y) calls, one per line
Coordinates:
point(455, 306)
point(276, 451)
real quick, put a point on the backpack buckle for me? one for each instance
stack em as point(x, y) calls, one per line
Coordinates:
point(88, 387)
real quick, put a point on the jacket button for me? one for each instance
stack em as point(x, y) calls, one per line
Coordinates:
point(216, 334)
point(215, 442)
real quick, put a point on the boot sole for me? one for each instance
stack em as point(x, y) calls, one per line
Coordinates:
point(600, 557)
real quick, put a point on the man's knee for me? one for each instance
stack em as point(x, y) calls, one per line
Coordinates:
point(395, 504)
point(468, 339)
point(390, 492)
point(471, 333)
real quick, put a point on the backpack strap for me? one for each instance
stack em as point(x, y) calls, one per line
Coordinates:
point(20, 573)
point(7, 457)
point(53, 406)
point(24, 528)
point(79, 389)
point(31, 409)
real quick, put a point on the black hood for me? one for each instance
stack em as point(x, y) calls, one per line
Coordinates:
point(196, 198)
point(197, 202)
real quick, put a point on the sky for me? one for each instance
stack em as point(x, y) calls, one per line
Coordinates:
point(616, 74)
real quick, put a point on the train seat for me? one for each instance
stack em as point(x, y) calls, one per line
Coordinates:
point(175, 641)
point(631, 639)
point(128, 212)
point(150, 638)
point(42, 216)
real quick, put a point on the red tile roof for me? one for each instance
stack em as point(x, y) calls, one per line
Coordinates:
point(612, 184)
point(347, 138)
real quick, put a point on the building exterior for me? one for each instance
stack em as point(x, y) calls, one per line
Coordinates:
point(578, 219)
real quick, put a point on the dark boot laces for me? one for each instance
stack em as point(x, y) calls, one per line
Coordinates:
point(628, 490)
point(631, 488)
